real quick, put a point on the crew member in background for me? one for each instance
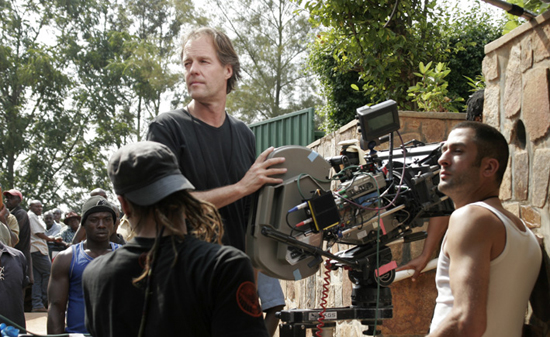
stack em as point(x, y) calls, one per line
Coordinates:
point(65, 289)
point(215, 150)
point(489, 259)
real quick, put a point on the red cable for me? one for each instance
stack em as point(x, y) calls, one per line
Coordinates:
point(324, 300)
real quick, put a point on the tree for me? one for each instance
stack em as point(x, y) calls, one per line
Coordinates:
point(381, 41)
point(152, 66)
point(58, 99)
point(70, 75)
point(377, 46)
point(465, 34)
point(269, 36)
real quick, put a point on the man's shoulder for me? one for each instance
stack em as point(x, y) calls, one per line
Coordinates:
point(213, 249)
point(236, 122)
point(13, 252)
point(473, 223)
point(172, 115)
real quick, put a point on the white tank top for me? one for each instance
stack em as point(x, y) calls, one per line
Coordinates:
point(512, 277)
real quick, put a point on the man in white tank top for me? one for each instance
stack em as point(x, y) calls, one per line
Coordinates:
point(489, 259)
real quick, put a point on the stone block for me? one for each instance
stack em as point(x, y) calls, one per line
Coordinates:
point(536, 103)
point(531, 216)
point(490, 67)
point(513, 208)
point(434, 130)
point(410, 124)
point(346, 291)
point(491, 105)
point(506, 185)
point(508, 127)
point(526, 53)
point(512, 91)
point(541, 177)
point(521, 175)
point(541, 43)
point(413, 305)
point(290, 290)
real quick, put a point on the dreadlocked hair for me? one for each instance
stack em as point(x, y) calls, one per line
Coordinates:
point(202, 219)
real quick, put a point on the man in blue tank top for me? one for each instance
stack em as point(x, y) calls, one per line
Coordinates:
point(65, 288)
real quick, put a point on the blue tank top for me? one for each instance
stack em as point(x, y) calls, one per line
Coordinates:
point(75, 308)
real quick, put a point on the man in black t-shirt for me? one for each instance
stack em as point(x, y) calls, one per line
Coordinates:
point(169, 280)
point(215, 150)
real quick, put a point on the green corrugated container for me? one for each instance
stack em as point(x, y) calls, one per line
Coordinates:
point(295, 128)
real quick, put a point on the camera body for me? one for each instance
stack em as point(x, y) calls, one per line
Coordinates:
point(379, 198)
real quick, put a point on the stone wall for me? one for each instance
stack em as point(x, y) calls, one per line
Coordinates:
point(517, 102)
point(413, 302)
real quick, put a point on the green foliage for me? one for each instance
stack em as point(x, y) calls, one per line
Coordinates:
point(465, 33)
point(378, 46)
point(431, 93)
point(270, 38)
point(74, 78)
point(476, 84)
point(535, 6)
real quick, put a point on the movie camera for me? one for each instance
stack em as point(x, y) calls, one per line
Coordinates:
point(378, 199)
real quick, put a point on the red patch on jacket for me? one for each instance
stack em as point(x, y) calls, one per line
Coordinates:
point(247, 299)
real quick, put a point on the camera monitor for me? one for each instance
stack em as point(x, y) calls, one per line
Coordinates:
point(378, 120)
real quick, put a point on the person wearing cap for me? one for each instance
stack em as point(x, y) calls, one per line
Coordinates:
point(81, 234)
point(12, 225)
point(170, 279)
point(65, 288)
point(41, 262)
point(72, 221)
point(215, 150)
point(13, 199)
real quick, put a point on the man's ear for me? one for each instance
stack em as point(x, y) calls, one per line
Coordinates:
point(126, 207)
point(489, 166)
point(228, 71)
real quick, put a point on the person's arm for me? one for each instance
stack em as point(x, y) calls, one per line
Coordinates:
point(45, 237)
point(468, 246)
point(79, 236)
point(58, 292)
point(257, 176)
point(13, 226)
point(437, 227)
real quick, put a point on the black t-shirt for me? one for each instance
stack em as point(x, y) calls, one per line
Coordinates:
point(210, 158)
point(210, 291)
point(13, 278)
point(24, 243)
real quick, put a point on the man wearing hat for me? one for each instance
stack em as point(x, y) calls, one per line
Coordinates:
point(72, 220)
point(170, 279)
point(13, 225)
point(65, 288)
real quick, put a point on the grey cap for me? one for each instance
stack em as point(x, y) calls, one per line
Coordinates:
point(146, 172)
point(96, 204)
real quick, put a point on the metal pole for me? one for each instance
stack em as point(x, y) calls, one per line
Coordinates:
point(512, 9)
